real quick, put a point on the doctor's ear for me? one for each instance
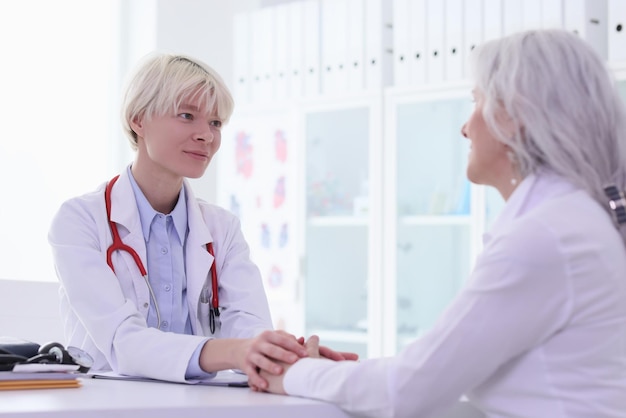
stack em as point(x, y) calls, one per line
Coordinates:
point(137, 124)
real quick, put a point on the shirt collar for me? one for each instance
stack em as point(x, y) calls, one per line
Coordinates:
point(532, 191)
point(512, 207)
point(147, 212)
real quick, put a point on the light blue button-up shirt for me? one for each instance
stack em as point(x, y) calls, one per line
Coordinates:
point(165, 237)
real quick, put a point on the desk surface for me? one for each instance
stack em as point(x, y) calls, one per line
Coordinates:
point(122, 399)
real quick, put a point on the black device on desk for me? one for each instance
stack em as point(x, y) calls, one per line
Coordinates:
point(15, 351)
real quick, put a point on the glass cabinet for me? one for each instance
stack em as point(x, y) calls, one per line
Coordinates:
point(338, 218)
point(434, 218)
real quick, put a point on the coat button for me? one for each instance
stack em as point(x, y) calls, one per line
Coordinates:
point(145, 305)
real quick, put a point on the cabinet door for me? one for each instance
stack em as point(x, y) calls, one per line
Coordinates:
point(433, 214)
point(258, 182)
point(337, 226)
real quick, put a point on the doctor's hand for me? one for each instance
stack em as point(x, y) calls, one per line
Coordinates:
point(276, 381)
point(268, 353)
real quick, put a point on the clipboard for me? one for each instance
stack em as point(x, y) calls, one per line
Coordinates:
point(225, 378)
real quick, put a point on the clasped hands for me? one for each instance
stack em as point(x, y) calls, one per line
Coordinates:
point(270, 355)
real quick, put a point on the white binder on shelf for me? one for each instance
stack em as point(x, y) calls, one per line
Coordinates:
point(378, 44)
point(512, 16)
point(453, 40)
point(552, 14)
point(492, 18)
point(417, 48)
point(333, 21)
point(340, 58)
point(241, 58)
point(402, 23)
point(355, 69)
point(435, 59)
point(296, 50)
point(263, 54)
point(472, 31)
point(282, 50)
point(532, 12)
point(617, 31)
point(256, 57)
point(588, 19)
point(311, 31)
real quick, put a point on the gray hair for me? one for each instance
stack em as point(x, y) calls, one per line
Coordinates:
point(163, 81)
point(564, 103)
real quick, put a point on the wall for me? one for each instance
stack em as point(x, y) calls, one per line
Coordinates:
point(30, 311)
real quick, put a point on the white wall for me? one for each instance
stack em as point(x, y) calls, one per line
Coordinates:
point(30, 311)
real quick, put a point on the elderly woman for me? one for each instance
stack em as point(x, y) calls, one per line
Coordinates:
point(540, 328)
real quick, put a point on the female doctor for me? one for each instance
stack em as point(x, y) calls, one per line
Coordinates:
point(540, 328)
point(165, 324)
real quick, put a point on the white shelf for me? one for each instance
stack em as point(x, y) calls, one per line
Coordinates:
point(338, 221)
point(435, 220)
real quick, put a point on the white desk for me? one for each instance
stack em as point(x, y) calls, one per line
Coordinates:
point(126, 399)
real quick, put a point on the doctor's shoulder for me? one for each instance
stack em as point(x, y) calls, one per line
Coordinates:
point(86, 210)
point(212, 212)
point(221, 222)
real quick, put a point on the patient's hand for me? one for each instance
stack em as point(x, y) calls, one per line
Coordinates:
point(336, 355)
point(276, 381)
point(331, 354)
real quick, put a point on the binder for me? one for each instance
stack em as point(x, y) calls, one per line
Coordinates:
point(492, 14)
point(417, 50)
point(552, 14)
point(512, 16)
point(472, 31)
point(435, 60)
point(296, 48)
point(378, 44)
point(282, 50)
point(532, 14)
point(454, 40)
point(340, 57)
point(241, 58)
point(617, 31)
point(311, 31)
point(333, 21)
point(401, 56)
point(256, 76)
point(355, 69)
point(588, 19)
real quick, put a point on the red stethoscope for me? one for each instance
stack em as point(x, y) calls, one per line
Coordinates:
point(119, 245)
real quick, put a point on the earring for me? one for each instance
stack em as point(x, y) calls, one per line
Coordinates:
point(513, 182)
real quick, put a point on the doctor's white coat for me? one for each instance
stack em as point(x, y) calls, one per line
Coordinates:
point(105, 313)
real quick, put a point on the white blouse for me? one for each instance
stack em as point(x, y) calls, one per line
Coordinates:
point(539, 329)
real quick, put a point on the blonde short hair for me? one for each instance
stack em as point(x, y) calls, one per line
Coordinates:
point(162, 82)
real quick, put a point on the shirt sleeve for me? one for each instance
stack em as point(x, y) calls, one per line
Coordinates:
point(517, 296)
point(194, 371)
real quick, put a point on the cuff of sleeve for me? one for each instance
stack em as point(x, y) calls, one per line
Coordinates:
point(297, 378)
point(193, 368)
